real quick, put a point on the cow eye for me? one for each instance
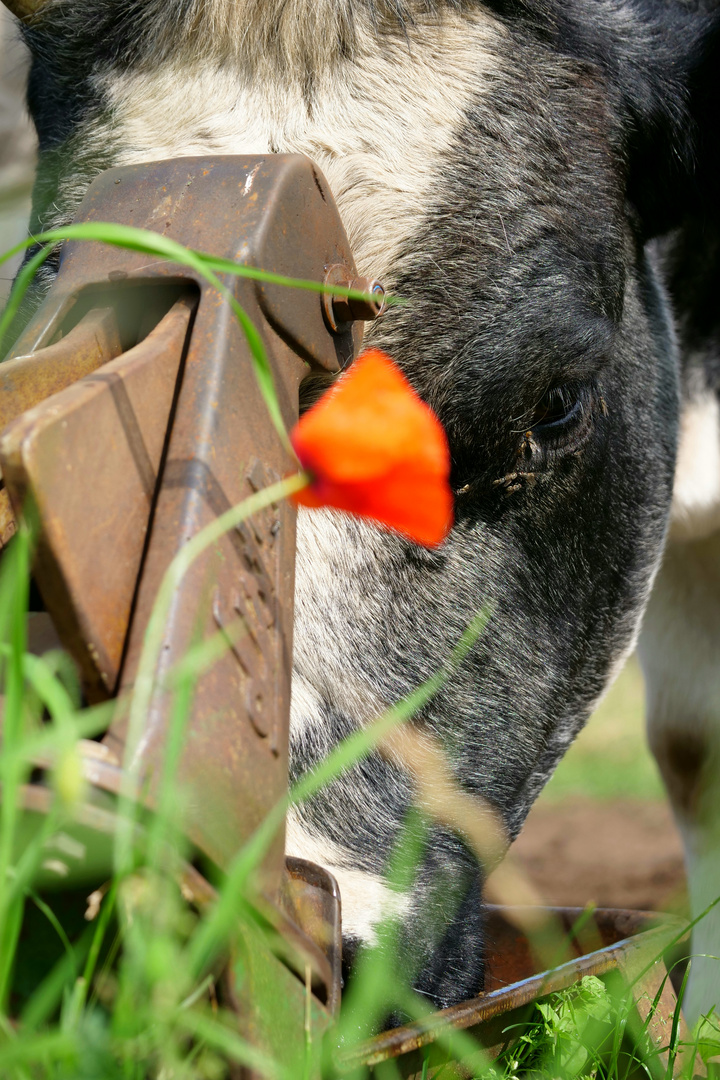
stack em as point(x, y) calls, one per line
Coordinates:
point(558, 408)
point(561, 422)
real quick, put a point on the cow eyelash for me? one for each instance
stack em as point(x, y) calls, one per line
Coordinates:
point(561, 420)
point(557, 408)
point(560, 423)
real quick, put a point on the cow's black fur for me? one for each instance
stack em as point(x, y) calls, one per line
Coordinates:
point(538, 328)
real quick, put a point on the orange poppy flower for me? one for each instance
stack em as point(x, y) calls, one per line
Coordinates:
point(372, 447)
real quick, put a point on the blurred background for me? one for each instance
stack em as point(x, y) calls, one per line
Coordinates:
point(602, 830)
point(17, 146)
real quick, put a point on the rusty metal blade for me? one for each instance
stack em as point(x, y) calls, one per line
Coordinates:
point(101, 438)
point(27, 380)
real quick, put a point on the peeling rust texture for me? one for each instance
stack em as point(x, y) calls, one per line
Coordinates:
point(132, 418)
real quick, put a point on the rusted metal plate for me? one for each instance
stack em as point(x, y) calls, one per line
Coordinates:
point(234, 763)
point(87, 461)
point(27, 380)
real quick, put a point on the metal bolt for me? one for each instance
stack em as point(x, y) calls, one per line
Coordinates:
point(340, 311)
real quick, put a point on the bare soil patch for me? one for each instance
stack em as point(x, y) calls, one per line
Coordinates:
point(622, 853)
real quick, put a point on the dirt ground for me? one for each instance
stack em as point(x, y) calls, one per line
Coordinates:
point(624, 853)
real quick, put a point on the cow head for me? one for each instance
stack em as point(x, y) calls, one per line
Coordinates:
point(502, 166)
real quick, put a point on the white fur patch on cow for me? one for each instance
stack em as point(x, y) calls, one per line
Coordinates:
point(696, 494)
point(379, 125)
point(366, 899)
point(304, 703)
point(327, 567)
point(679, 655)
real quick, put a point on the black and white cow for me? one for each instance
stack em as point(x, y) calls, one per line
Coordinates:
point(504, 166)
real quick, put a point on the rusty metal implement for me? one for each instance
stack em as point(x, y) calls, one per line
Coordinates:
point(130, 417)
point(617, 945)
point(145, 446)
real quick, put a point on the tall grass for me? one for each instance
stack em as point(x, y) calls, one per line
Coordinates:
point(133, 983)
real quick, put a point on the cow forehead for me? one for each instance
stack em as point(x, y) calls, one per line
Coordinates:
point(380, 127)
point(293, 38)
point(465, 157)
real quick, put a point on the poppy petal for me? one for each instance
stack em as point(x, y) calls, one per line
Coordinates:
point(374, 448)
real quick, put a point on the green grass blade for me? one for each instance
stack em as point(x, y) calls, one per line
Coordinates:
point(55, 923)
point(21, 285)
